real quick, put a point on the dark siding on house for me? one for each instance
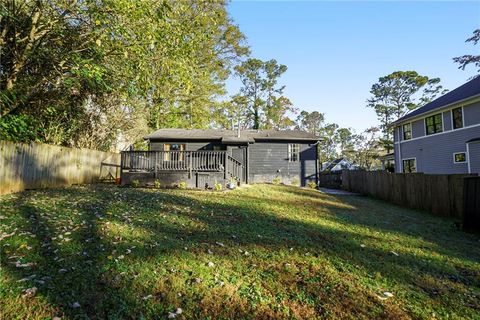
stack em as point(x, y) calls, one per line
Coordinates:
point(189, 146)
point(270, 159)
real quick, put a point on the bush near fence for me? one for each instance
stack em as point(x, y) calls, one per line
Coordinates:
point(439, 194)
point(37, 165)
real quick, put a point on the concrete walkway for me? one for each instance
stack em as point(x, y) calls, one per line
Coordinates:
point(338, 192)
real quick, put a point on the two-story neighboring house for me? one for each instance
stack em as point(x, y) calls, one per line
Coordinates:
point(442, 137)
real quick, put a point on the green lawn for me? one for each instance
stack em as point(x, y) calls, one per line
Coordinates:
point(262, 251)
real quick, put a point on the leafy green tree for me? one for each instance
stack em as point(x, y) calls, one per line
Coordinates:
point(311, 121)
point(92, 71)
point(395, 94)
point(367, 149)
point(266, 106)
point(468, 59)
point(329, 142)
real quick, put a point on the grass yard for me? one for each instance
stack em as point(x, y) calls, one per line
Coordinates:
point(262, 251)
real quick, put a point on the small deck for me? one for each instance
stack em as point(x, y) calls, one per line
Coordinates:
point(197, 168)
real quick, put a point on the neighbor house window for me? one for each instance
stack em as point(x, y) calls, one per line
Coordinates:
point(173, 156)
point(409, 165)
point(433, 124)
point(457, 117)
point(407, 131)
point(460, 157)
point(293, 152)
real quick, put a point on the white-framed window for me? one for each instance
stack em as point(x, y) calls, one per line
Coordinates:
point(409, 165)
point(457, 118)
point(460, 157)
point(407, 131)
point(434, 124)
point(293, 152)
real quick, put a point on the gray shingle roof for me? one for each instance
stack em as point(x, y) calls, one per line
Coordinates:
point(231, 135)
point(465, 91)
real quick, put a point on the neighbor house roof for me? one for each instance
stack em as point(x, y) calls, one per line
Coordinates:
point(466, 91)
point(231, 135)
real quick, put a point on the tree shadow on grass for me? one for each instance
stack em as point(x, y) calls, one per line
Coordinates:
point(163, 223)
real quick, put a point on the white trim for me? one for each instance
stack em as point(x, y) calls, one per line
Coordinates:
point(444, 108)
point(460, 162)
point(463, 118)
point(436, 134)
point(416, 165)
point(400, 163)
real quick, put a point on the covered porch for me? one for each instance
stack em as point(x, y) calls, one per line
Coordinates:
point(199, 169)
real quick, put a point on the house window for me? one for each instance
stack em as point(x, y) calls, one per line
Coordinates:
point(293, 152)
point(173, 156)
point(434, 124)
point(457, 117)
point(407, 131)
point(460, 157)
point(409, 165)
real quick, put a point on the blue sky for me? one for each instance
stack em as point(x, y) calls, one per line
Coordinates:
point(335, 51)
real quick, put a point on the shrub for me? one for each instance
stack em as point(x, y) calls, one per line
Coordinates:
point(276, 180)
point(295, 182)
point(157, 184)
point(217, 186)
point(182, 185)
point(312, 185)
point(135, 183)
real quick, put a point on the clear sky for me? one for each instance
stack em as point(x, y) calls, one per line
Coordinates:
point(335, 51)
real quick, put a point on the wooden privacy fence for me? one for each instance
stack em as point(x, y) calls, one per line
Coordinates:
point(435, 193)
point(471, 219)
point(36, 165)
point(330, 179)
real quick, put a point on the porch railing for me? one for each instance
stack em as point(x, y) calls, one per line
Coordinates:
point(173, 160)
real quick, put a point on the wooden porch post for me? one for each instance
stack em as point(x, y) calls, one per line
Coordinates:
point(225, 165)
point(155, 164)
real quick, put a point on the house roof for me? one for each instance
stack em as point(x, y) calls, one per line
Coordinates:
point(231, 136)
point(465, 91)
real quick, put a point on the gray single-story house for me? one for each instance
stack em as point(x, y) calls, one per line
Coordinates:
point(443, 136)
point(201, 158)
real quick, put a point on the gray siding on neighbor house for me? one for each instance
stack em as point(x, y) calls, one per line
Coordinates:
point(434, 154)
point(418, 128)
point(447, 120)
point(268, 160)
point(471, 114)
point(474, 155)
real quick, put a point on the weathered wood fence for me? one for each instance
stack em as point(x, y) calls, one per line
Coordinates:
point(439, 194)
point(330, 179)
point(471, 219)
point(36, 165)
